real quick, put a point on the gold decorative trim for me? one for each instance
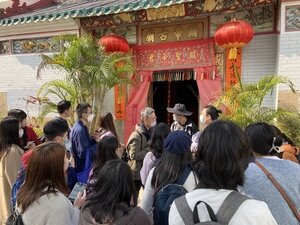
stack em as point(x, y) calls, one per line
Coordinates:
point(166, 12)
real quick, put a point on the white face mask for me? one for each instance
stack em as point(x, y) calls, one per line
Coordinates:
point(202, 119)
point(90, 117)
point(153, 124)
point(21, 133)
point(176, 117)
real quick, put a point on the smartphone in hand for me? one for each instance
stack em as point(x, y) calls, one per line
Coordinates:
point(79, 187)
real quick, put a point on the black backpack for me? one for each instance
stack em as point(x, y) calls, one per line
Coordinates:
point(164, 198)
point(224, 215)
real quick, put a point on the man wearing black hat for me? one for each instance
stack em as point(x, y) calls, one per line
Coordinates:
point(182, 120)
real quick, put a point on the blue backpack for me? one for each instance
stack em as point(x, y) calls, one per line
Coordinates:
point(164, 198)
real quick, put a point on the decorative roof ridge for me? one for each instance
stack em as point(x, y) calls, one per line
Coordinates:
point(86, 9)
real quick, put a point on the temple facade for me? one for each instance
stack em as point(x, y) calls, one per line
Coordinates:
point(172, 43)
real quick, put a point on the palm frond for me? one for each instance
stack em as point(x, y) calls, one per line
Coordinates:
point(244, 102)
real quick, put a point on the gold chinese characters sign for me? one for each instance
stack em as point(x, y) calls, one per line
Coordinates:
point(179, 32)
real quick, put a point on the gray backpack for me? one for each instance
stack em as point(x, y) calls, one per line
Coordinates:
point(224, 215)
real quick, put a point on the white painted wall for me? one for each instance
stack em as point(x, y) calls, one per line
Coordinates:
point(259, 59)
point(18, 79)
point(18, 71)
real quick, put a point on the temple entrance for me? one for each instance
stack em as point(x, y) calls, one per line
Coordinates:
point(171, 87)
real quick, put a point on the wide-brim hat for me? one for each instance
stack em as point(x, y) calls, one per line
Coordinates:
point(180, 110)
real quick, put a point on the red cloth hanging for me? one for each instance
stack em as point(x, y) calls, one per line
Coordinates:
point(209, 89)
point(136, 102)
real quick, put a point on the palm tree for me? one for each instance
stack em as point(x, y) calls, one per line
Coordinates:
point(290, 124)
point(88, 69)
point(244, 101)
point(54, 90)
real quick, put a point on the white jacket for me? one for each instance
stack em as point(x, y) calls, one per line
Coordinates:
point(251, 212)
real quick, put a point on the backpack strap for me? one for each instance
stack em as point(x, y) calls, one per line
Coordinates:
point(181, 180)
point(191, 217)
point(210, 211)
point(230, 206)
point(288, 200)
point(184, 210)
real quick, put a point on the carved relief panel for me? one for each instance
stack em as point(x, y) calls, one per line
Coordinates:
point(35, 45)
point(4, 47)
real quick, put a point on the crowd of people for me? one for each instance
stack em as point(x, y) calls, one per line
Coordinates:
point(222, 174)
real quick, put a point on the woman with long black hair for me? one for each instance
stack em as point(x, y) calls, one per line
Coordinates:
point(108, 149)
point(174, 162)
point(28, 137)
point(10, 162)
point(110, 203)
point(156, 146)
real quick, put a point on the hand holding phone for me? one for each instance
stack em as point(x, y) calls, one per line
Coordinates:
point(80, 199)
point(77, 190)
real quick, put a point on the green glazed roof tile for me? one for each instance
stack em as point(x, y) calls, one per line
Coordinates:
point(86, 9)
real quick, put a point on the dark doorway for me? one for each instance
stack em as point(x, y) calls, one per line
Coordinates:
point(168, 93)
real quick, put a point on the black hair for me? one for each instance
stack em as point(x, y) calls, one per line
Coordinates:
point(54, 128)
point(212, 111)
point(63, 105)
point(156, 142)
point(262, 136)
point(17, 114)
point(113, 190)
point(9, 134)
point(169, 169)
point(106, 150)
point(106, 122)
point(82, 108)
point(283, 136)
point(222, 157)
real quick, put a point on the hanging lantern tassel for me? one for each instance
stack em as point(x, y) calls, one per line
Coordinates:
point(234, 34)
point(233, 53)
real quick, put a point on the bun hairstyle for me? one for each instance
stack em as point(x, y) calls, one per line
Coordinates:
point(263, 138)
point(284, 137)
point(213, 112)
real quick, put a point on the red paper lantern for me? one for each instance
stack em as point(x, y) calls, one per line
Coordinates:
point(233, 35)
point(114, 43)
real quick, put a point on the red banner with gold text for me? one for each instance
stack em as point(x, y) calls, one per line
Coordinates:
point(233, 66)
point(120, 94)
point(178, 55)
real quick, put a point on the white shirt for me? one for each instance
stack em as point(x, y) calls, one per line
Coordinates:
point(251, 212)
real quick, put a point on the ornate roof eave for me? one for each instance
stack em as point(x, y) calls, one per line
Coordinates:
point(87, 9)
point(105, 8)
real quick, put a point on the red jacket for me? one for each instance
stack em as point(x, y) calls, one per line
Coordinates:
point(30, 136)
